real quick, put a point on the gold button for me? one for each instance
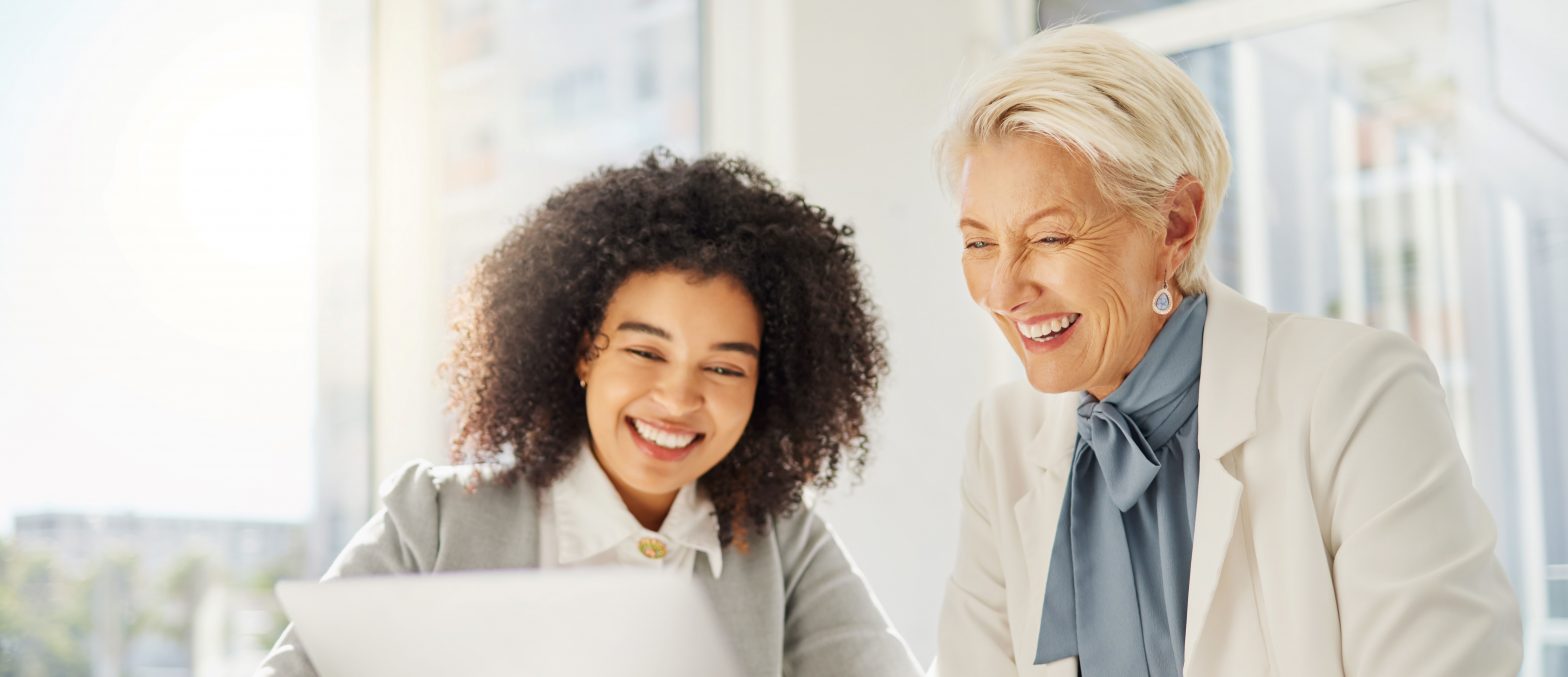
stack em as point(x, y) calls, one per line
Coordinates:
point(652, 548)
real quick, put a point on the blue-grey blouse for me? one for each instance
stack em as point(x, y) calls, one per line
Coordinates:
point(1116, 593)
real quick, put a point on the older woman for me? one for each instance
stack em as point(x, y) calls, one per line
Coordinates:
point(1188, 484)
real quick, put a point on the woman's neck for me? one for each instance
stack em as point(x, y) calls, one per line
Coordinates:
point(649, 509)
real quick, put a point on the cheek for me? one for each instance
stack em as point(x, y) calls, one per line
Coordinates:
point(738, 406)
point(730, 409)
point(1095, 284)
point(610, 391)
point(1116, 327)
point(602, 412)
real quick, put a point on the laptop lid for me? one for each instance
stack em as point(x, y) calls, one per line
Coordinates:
point(587, 622)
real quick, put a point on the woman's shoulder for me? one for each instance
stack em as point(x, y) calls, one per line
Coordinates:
point(798, 523)
point(456, 517)
point(798, 539)
point(447, 489)
point(1326, 333)
point(1318, 352)
point(787, 535)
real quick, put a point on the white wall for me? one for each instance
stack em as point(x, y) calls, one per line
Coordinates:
point(842, 101)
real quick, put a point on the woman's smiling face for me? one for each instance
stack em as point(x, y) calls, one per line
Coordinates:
point(670, 382)
point(1067, 276)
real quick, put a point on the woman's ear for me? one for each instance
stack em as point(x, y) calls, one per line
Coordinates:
point(1183, 212)
point(587, 351)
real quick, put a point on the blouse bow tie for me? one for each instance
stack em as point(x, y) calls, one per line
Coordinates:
point(1116, 588)
point(1126, 458)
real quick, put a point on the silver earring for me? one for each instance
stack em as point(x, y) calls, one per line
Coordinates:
point(582, 384)
point(1162, 300)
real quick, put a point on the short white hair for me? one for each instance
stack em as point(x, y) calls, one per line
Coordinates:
point(1137, 119)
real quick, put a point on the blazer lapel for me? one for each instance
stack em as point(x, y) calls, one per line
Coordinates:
point(1219, 497)
point(1050, 454)
point(1234, 335)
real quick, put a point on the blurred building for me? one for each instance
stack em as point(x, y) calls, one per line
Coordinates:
point(242, 549)
point(531, 95)
point(164, 596)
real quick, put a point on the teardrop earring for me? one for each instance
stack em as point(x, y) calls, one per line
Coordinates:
point(1162, 300)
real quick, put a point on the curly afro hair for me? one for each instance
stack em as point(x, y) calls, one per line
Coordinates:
point(532, 301)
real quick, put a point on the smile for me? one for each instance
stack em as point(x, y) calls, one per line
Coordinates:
point(663, 441)
point(1046, 330)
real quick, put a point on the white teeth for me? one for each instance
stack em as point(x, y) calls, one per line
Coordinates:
point(1044, 330)
point(664, 439)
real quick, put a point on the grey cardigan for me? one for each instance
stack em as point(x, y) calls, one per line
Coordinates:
point(794, 604)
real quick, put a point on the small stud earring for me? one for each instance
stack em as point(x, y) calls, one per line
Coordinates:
point(1162, 300)
point(582, 384)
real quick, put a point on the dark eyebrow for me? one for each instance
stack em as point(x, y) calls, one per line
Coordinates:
point(739, 347)
point(732, 346)
point(644, 328)
point(972, 223)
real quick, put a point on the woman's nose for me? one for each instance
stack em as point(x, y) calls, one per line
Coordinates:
point(678, 393)
point(1010, 287)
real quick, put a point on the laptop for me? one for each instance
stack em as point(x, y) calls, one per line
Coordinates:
point(589, 622)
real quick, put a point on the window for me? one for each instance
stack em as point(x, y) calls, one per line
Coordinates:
point(1392, 167)
point(157, 286)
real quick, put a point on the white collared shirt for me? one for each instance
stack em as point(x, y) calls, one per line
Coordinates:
point(583, 521)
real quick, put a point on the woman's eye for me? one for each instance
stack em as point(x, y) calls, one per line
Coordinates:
point(644, 354)
point(726, 371)
point(977, 244)
point(1051, 239)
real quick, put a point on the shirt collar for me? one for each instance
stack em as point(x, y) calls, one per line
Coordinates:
point(591, 518)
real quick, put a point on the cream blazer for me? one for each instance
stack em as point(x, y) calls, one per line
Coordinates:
point(1337, 533)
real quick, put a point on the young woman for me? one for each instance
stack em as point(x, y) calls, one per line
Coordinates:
point(649, 372)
